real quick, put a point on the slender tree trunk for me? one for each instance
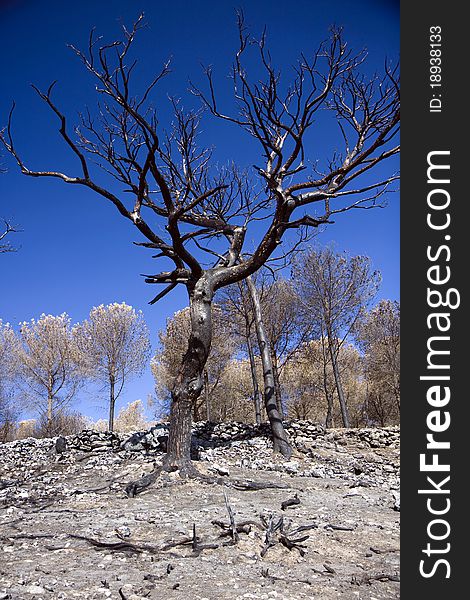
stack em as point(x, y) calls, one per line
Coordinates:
point(206, 395)
point(50, 414)
point(190, 380)
point(277, 383)
point(112, 402)
point(329, 397)
point(280, 439)
point(339, 386)
point(256, 394)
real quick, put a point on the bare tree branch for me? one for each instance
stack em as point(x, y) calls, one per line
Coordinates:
point(7, 230)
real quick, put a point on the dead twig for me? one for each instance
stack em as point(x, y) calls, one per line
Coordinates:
point(272, 578)
point(291, 502)
point(233, 528)
point(272, 527)
point(194, 541)
point(362, 579)
point(384, 550)
point(136, 487)
point(227, 531)
point(304, 528)
point(329, 569)
point(117, 546)
point(294, 544)
point(339, 527)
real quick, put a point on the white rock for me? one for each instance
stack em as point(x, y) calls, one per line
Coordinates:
point(291, 466)
point(35, 589)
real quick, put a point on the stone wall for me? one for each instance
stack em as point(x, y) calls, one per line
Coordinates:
point(208, 434)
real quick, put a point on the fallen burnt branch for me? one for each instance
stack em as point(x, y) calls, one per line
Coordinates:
point(339, 527)
point(252, 485)
point(294, 544)
point(28, 536)
point(117, 546)
point(244, 527)
point(303, 528)
point(134, 488)
point(362, 579)
point(384, 550)
point(291, 502)
point(273, 578)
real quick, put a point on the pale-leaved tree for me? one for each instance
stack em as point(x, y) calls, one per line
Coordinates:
point(49, 367)
point(114, 344)
point(132, 418)
point(8, 411)
point(378, 335)
point(334, 289)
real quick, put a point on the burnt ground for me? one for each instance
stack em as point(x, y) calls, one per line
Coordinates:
point(348, 499)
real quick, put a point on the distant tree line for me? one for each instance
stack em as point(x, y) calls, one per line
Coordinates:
point(309, 342)
point(332, 358)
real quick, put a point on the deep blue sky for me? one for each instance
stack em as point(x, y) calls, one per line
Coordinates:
point(76, 251)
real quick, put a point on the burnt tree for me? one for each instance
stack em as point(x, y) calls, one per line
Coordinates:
point(196, 215)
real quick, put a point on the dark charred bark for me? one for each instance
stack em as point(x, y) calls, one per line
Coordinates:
point(190, 379)
point(256, 394)
point(329, 423)
point(328, 395)
point(277, 383)
point(280, 439)
point(339, 386)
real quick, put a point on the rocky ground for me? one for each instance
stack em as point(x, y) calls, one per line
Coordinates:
point(68, 529)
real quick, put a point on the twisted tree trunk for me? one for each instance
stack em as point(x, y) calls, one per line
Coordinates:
point(190, 379)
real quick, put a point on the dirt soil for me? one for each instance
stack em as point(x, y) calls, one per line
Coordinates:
point(347, 491)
